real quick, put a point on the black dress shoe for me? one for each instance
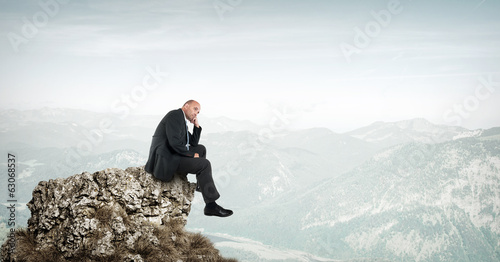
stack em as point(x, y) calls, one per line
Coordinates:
point(217, 211)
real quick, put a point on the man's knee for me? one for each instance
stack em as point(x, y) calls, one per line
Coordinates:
point(202, 150)
point(201, 163)
point(206, 164)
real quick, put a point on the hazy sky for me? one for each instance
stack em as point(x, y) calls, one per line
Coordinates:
point(337, 64)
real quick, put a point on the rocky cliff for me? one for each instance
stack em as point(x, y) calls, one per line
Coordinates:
point(110, 215)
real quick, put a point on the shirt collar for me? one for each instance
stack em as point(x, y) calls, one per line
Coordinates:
point(185, 119)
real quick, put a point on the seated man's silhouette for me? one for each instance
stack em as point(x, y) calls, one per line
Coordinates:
point(175, 150)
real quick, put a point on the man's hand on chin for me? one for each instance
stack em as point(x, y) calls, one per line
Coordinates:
point(195, 122)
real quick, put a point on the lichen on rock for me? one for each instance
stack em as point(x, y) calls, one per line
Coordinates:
point(111, 215)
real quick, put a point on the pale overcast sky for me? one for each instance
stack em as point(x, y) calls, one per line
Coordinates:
point(336, 64)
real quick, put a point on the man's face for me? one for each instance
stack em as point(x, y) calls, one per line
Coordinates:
point(192, 111)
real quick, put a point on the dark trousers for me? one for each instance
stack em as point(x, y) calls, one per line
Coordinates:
point(203, 170)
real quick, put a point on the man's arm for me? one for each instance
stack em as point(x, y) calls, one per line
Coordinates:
point(176, 135)
point(195, 137)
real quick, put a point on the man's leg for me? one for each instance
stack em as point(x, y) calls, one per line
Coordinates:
point(202, 152)
point(203, 170)
point(200, 149)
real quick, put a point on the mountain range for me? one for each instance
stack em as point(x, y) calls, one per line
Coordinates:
point(440, 205)
point(407, 190)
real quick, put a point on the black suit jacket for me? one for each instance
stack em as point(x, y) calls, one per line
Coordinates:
point(169, 145)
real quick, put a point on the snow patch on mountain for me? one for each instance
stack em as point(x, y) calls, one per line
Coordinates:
point(277, 183)
point(474, 133)
point(434, 207)
point(369, 239)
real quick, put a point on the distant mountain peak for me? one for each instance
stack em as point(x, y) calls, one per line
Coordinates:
point(405, 124)
point(404, 131)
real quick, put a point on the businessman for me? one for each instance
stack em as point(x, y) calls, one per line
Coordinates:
point(175, 150)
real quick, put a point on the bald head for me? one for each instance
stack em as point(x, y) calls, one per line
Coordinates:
point(189, 102)
point(191, 109)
